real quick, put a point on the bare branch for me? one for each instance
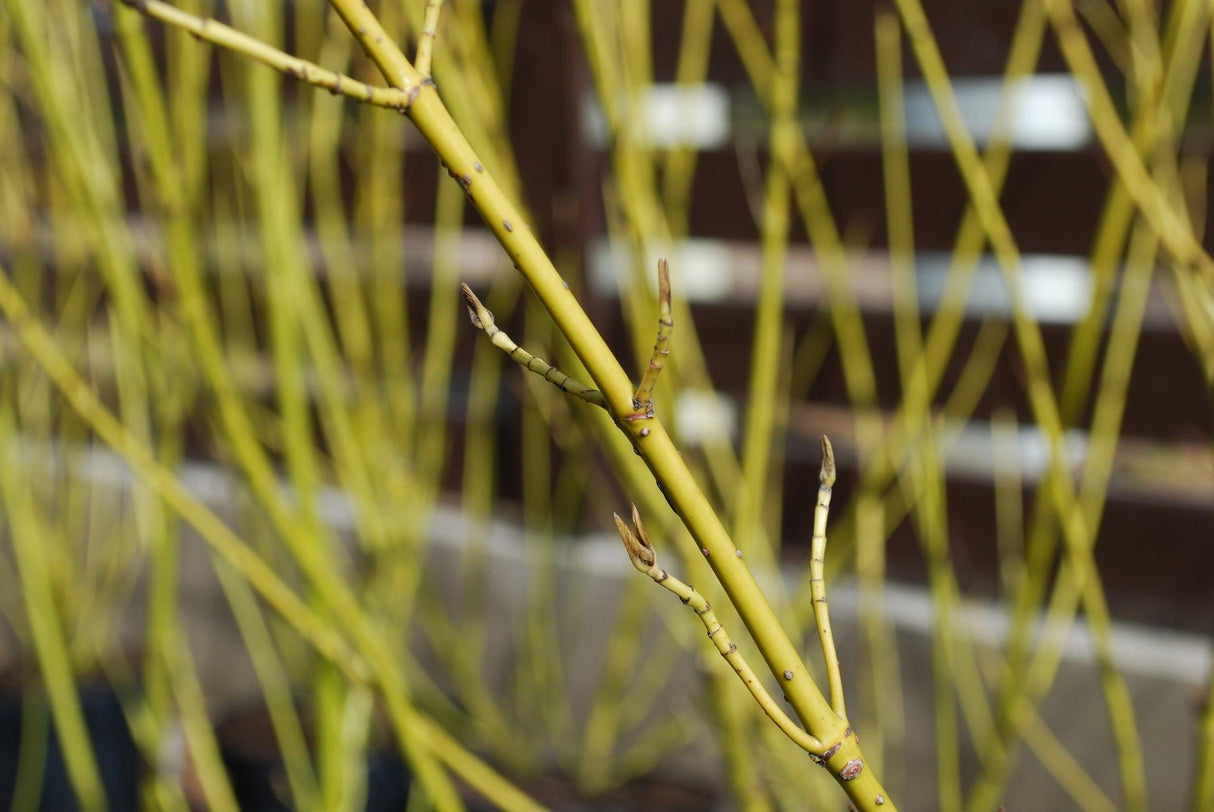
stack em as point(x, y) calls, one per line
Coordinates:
point(217, 33)
point(482, 318)
point(817, 581)
point(641, 553)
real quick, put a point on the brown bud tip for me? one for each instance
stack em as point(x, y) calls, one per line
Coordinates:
point(827, 474)
point(473, 303)
point(642, 557)
point(663, 282)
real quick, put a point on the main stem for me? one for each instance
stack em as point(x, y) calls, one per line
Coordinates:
point(648, 436)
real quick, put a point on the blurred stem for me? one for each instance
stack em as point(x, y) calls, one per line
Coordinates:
point(1203, 782)
point(441, 329)
point(1009, 501)
point(933, 532)
point(1151, 199)
point(1041, 398)
point(769, 311)
point(275, 687)
point(1182, 50)
point(678, 170)
point(187, 91)
point(621, 86)
point(46, 626)
point(538, 666)
point(353, 322)
point(596, 767)
point(895, 162)
point(32, 750)
point(951, 651)
point(944, 330)
point(950, 313)
point(62, 66)
point(823, 231)
point(201, 745)
point(274, 189)
point(886, 720)
point(421, 740)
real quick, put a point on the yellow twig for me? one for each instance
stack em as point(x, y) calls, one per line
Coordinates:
point(483, 319)
point(643, 399)
point(640, 552)
point(425, 42)
point(817, 579)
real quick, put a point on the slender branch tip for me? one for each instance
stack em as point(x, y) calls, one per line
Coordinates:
point(642, 401)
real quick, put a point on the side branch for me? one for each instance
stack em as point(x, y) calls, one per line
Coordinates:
point(642, 401)
point(425, 42)
point(817, 581)
point(640, 552)
point(482, 318)
point(217, 33)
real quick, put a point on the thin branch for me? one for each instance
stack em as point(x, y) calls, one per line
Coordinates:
point(482, 318)
point(425, 43)
point(640, 552)
point(817, 582)
point(217, 33)
point(642, 401)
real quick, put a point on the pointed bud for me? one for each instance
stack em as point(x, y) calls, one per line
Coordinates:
point(475, 308)
point(827, 474)
point(641, 554)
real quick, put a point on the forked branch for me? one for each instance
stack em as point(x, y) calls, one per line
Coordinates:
point(641, 553)
point(482, 318)
point(843, 757)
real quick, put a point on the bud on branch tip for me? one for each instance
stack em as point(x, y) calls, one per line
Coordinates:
point(474, 305)
point(640, 551)
point(827, 474)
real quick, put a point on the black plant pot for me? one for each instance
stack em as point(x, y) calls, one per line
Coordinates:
point(118, 759)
